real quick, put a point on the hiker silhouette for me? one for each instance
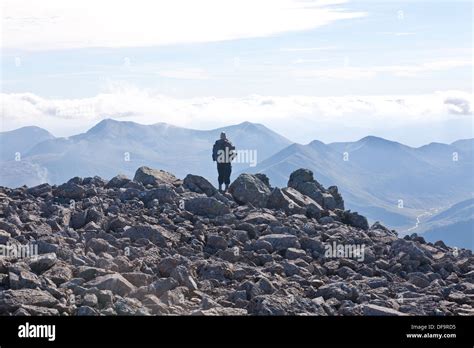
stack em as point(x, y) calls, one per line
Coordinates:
point(223, 152)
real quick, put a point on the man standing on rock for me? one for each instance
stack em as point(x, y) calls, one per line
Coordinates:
point(223, 152)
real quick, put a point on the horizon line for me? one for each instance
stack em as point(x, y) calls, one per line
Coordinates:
point(237, 124)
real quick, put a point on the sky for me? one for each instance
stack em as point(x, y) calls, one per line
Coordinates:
point(330, 70)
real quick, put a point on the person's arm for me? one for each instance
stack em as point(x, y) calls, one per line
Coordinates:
point(214, 152)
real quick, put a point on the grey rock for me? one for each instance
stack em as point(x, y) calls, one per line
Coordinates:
point(340, 291)
point(270, 305)
point(281, 241)
point(23, 280)
point(356, 220)
point(70, 190)
point(164, 193)
point(154, 234)
point(113, 282)
point(278, 200)
point(78, 219)
point(154, 177)
point(118, 181)
point(4, 237)
point(220, 311)
point(98, 245)
point(138, 278)
point(206, 206)
point(419, 279)
point(86, 311)
point(328, 201)
point(59, 273)
point(249, 188)
point(303, 181)
point(216, 242)
point(372, 309)
point(230, 254)
point(293, 253)
point(183, 277)
point(162, 285)
point(90, 300)
point(198, 184)
point(260, 218)
point(11, 300)
point(42, 190)
point(333, 190)
point(266, 286)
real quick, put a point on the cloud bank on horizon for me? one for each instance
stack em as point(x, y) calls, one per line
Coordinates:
point(400, 117)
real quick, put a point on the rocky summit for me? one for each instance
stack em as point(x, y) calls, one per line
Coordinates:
point(158, 245)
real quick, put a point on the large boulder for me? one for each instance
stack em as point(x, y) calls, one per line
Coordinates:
point(411, 250)
point(42, 190)
point(333, 190)
point(329, 202)
point(216, 242)
point(279, 200)
point(355, 219)
point(206, 206)
point(43, 262)
point(198, 184)
point(248, 188)
point(59, 273)
point(113, 282)
point(118, 181)
point(300, 176)
point(70, 190)
point(260, 218)
point(303, 181)
point(312, 208)
point(11, 300)
point(22, 278)
point(298, 197)
point(163, 193)
point(264, 178)
point(154, 177)
point(154, 234)
point(281, 241)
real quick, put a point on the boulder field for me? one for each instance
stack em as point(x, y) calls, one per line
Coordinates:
point(158, 245)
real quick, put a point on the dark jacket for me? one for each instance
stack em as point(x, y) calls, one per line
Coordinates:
point(223, 151)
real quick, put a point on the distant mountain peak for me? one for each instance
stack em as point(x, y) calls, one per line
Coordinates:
point(250, 125)
point(374, 139)
point(316, 143)
point(33, 130)
point(109, 125)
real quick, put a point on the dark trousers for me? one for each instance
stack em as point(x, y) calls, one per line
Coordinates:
point(224, 170)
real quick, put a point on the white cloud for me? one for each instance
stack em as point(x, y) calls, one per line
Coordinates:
point(185, 74)
point(398, 33)
point(59, 24)
point(355, 73)
point(305, 61)
point(306, 49)
point(301, 118)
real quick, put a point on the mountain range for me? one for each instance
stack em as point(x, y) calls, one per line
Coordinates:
point(112, 147)
point(384, 180)
point(453, 225)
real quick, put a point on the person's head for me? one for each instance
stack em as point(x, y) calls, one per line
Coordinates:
point(223, 136)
